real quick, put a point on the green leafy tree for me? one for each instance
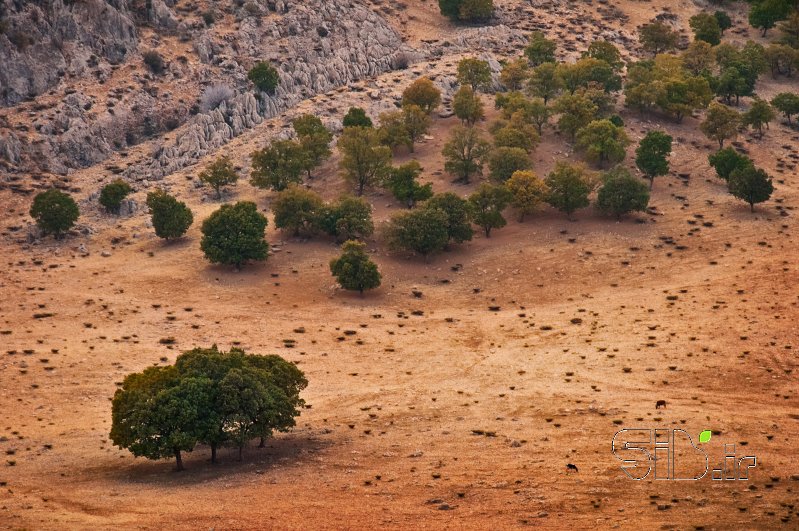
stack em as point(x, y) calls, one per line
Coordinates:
point(621, 193)
point(487, 204)
point(539, 49)
point(545, 83)
point(392, 130)
point(682, 95)
point(723, 20)
point(208, 397)
point(278, 165)
point(528, 192)
point(505, 161)
point(476, 10)
point(765, 14)
point(759, 115)
point(658, 37)
point(157, 414)
point(356, 117)
point(569, 187)
point(698, 59)
point(54, 212)
point(450, 8)
point(706, 28)
point(576, 111)
point(782, 59)
point(353, 269)
point(218, 174)
point(750, 184)
point(423, 93)
point(364, 162)
point(607, 52)
point(727, 160)
point(402, 181)
point(314, 138)
point(467, 106)
point(789, 30)
point(514, 73)
point(417, 123)
point(467, 10)
point(297, 209)
point(465, 153)
point(652, 154)
point(112, 195)
point(349, 218)
point(234, 234)
point(587, 72)
point(456, 209)
point(264, 77)
point(539, 114)
point(721, 123)
point(170, 218)
point(474, 73)
point(423, 231)
point(515, 134)
point(787, 103)
point(603, 141)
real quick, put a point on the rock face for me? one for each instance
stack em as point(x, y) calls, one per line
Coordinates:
point(316, 45)
point(42, 41)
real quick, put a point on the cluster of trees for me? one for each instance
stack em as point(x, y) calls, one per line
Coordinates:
point(446, 218)
point(284, 162)
point(208, 397)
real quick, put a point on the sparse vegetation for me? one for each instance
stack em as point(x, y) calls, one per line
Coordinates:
point(219, 174)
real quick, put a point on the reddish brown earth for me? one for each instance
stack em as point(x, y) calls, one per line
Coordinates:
point(457, 417)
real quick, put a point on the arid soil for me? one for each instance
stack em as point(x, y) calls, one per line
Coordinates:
point(461, 408)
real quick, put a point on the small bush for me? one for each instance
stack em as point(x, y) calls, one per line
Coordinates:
point(112, 194)
point(154, 61)
point(264, 77)
point(213, 97)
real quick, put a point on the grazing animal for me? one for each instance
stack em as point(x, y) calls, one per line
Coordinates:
point(570, 466)
point(660, 403)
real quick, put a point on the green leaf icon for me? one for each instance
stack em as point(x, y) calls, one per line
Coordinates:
point(705, 436)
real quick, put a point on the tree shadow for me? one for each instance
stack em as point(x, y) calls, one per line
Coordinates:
point(281, 452)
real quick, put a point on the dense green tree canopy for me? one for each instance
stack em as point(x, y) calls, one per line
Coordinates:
point(278, 165)
point(234, 234)
point(353, 269)
point(208, 397)
point(171, 218)
point(54, 212)
point(113, 193)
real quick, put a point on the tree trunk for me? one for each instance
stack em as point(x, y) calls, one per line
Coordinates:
point(178, 460)
point(213, 453)
point(488, 231)
point(241, 449)
point(752, 208)
point(721, 143)
point(651, 183)
point(262, 444)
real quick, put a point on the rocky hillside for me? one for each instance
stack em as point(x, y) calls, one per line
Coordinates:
point(88, 79)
